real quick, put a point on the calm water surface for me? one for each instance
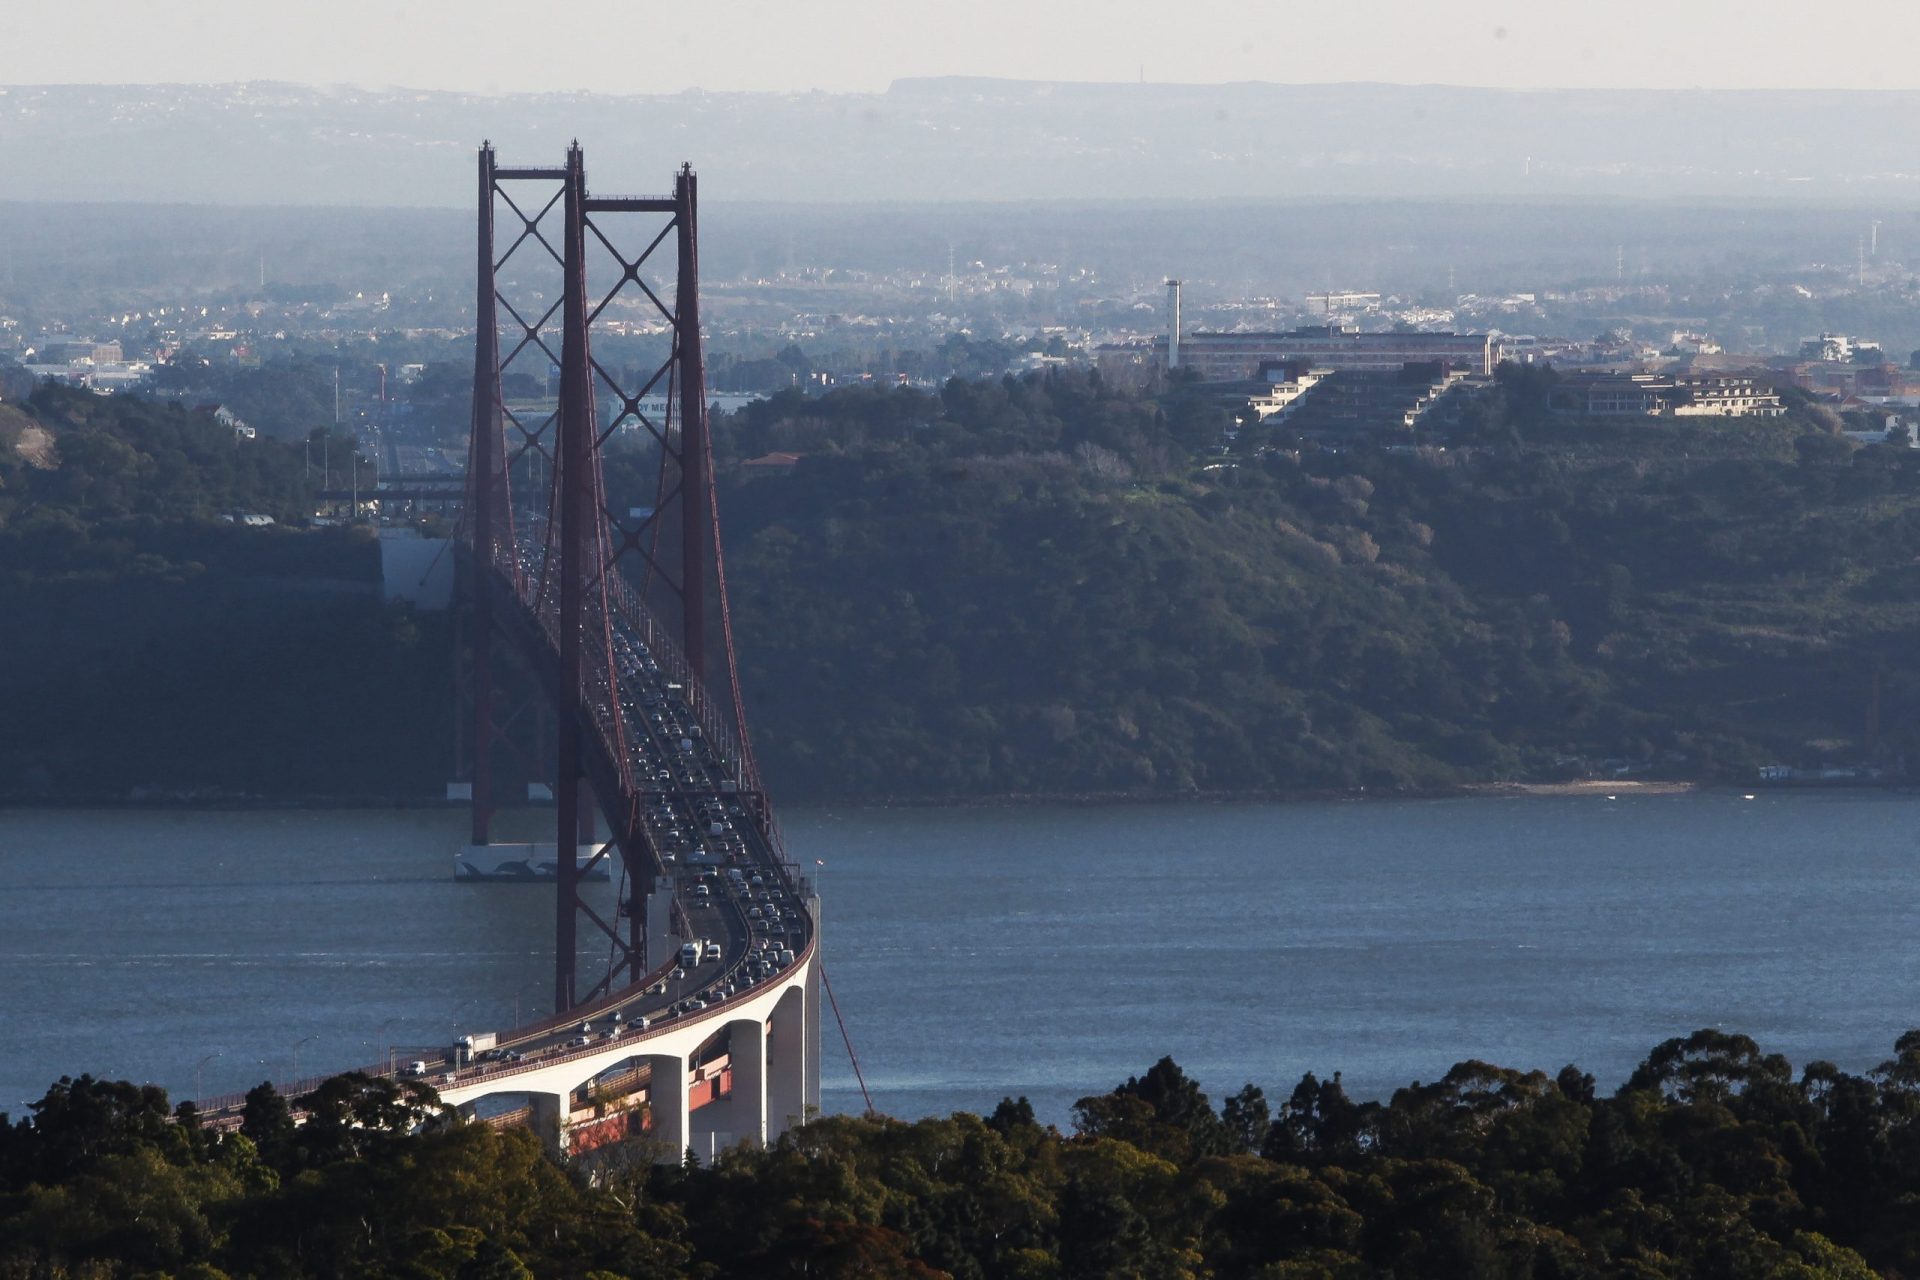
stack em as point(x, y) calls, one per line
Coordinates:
point(1042, 951)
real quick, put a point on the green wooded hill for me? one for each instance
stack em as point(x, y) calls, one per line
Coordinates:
point(1038, 585)
point(153, 649)
point(1027, 586)
point(1714, 1161)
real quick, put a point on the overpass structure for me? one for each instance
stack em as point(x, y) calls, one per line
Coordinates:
point(701, 987)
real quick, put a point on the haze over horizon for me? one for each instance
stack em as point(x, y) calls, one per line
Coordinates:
point(865, 45)
point(964, 139)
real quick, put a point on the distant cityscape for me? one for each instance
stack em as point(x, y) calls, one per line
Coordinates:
point(1322, 364)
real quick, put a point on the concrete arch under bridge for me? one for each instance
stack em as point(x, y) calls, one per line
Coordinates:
point(749, 1065)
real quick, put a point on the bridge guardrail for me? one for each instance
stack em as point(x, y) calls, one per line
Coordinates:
point(489, 1072)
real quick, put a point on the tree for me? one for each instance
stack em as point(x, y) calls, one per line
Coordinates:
point(1707, 1066)
point(1246, 1119)
point(1163, 1111)
point(267, 1121)
point(80, 1122)
point(1011, 1114)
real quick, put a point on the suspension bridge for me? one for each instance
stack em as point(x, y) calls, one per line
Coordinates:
point(598, 654)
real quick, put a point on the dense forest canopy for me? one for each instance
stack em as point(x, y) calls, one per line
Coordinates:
point(1043, 584)
point(1713, 1160)
point(1034, 585)
point(156, 649)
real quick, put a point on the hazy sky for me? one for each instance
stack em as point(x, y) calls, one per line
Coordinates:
point(646, 46)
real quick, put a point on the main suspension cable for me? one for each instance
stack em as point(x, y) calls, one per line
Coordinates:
point(852, 1057)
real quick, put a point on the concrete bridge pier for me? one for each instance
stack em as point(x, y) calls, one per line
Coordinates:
point(814, 1005)
point(550, 1112)
point(667, 1102)
point(748, 1050)
point(787, 1063)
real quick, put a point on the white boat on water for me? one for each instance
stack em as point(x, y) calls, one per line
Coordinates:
point(525, 863)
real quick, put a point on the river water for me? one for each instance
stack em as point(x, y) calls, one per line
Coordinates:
point(1044, 951)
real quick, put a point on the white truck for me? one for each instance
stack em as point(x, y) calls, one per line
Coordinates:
point(467, 1048)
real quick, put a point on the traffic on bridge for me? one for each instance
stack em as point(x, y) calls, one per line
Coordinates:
point(713, 978)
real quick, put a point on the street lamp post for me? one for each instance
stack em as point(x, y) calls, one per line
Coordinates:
point(379, 1038)
point(536, 986)
point(296, 1057)
point(198, 1068)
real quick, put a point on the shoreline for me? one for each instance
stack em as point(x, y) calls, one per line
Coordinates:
point(1590, 787)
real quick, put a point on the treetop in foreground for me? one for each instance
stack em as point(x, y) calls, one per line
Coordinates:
point(1713, 1160)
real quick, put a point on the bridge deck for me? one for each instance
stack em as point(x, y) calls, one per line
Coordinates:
point(700, 822)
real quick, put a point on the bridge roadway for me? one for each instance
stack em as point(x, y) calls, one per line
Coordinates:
point(731, 896)
point(720, 884)
point(771, 1033)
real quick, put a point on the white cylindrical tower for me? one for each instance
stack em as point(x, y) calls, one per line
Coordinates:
point(1173, 324)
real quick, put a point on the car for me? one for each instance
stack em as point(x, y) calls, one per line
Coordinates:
point(754, 913)
point(695, 1006)
point(611, 1034)
point(580, 1042)
point(713, 951)
point(415, 1069)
